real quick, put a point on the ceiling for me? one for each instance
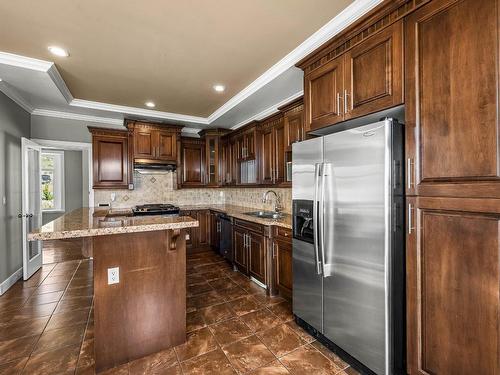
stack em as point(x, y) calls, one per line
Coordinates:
point(169, 52)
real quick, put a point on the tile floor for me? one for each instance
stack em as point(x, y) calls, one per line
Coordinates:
point(46, 327)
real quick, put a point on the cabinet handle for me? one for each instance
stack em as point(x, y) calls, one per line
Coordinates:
point(410, 167)
point(411, 228)
point(346, 95)
point(274, 251)
point(339, 112)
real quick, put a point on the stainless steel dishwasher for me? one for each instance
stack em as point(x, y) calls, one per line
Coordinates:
point(226, 237)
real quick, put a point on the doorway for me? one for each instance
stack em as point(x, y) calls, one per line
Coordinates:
point(56, 180)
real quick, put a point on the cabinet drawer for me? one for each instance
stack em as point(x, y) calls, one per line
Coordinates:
point(249, 225)
point(285, 233)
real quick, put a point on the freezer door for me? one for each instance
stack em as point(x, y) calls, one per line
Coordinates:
point(307, 157)
point(356, 241)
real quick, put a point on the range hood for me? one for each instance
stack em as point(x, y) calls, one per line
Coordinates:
point(154, 168)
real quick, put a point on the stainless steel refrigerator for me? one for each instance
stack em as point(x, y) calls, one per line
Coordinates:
point(348, 243)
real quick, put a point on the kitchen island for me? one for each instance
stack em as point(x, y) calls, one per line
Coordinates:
point(139, 279)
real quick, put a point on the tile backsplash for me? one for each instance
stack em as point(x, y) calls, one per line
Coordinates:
point(161, 188)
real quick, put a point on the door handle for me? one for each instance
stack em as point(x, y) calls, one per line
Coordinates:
point(317, 169)
point(411, 228)
point(346, 107)
point(339, 112)
point(322, 222)
point(410, 165)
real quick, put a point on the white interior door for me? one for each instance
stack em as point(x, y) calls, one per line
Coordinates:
point(31, 203)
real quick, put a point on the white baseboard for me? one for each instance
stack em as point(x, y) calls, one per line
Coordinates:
point(11, 281)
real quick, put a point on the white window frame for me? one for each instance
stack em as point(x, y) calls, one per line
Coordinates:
point(59, 199)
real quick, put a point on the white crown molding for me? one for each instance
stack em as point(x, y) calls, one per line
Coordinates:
point(268, 111)
point(25, 62)
point(13, 94)
point(137, 111)
point(76, 116)
point(350, 14)
point(60, 84)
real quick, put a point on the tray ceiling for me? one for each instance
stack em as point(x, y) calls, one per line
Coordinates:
point(172, 53)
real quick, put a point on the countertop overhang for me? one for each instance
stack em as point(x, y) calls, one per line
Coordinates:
point(90, 222)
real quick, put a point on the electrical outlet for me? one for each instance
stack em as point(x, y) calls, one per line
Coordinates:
point(113, 197)
point(4, 200)
point(113, 275)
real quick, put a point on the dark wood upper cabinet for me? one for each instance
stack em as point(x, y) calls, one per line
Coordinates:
point(453, 286)
point(154, 143)
point(293, 121)
point(374, 73)
point(367, 78)
point(323, 95)
point(112, 167)
point(271, 150)
point(452, 137)
point(193, 162)
point(144, 144)
point(167, 145)
point(266, 155)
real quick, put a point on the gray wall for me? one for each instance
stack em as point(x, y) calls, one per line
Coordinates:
point(14, 124)
point(73, 185)
point(61, 129)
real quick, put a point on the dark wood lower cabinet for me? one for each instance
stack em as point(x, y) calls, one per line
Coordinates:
point(453, 286)
point(240, 249)
point(282, 253)
point(256, 256)
point(198, 239)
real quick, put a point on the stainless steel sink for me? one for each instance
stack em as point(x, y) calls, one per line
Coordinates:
point(265, 214)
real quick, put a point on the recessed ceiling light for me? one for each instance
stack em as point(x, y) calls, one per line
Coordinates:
point(150, 104)
point(219, 88)
point(58, 51)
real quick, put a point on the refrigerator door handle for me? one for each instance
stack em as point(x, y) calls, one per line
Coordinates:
point(317, 173)
point(327, 268)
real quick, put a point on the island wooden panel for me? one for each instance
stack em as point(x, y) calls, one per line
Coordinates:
point(146, 311)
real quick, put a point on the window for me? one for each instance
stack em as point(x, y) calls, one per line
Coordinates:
point(52, 181)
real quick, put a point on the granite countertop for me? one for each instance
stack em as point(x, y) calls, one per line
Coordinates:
point(89, 222)
point(239, 213)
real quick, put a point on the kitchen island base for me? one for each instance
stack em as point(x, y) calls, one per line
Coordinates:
point(145, 312)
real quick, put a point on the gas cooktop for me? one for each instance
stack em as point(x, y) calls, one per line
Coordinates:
point(155, 209)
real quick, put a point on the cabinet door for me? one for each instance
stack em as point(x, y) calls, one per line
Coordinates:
point(250, 144)
point(323, 93)
point(284, 278)
point(166, 146)
point(374, 73)
point(193, 164)
point(212, 160)
point(110, 161)
point(234, 163)
point(257, 257)
point(144, 143)
point(453, 282)
point(240, 147)
point(203, 228)
point(266, 156)
point(239, 248)
point(294, 128)
point(452, 99)
point(279, 153)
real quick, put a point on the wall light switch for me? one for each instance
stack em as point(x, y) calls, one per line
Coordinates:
point(113, 275)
